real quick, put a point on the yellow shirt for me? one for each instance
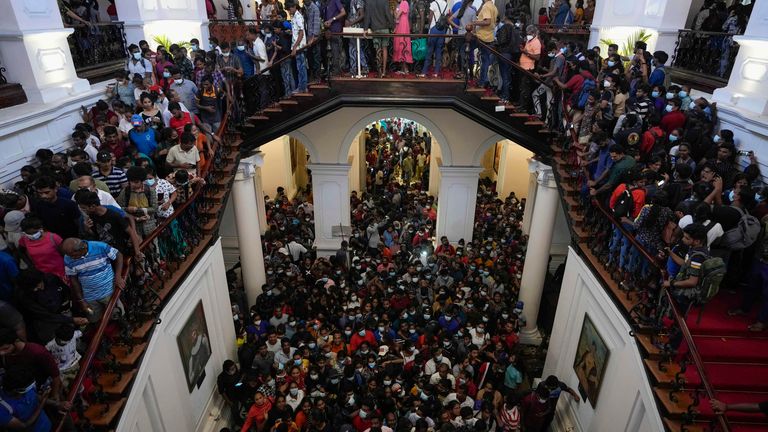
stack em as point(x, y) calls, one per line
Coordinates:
point(487, 12)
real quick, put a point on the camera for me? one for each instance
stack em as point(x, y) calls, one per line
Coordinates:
point(745, 152)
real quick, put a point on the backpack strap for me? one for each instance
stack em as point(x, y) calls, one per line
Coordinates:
point(7, 407)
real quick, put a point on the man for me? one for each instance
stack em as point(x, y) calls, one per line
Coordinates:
point(95, 270)
point(355, 19)
point(299, 40)
point(314, 26)
point(59, 215)
point(79, 140)
point(184, 155)
point(674, 118)
point(659, 73)
point(15, 352)
point(107, 225)
point(683, 287)
point(556, 70)
point(142, 137)
point(114, 177)
point(334, 14)
point(138, 65)
point(611, 177)
point(508, 44)
point(342, 255)
point(185, 88)
point(528, 58)
point(378, 19)
point(244, 58)
point(86, 182)
point(536, 409)
point(258, 53)
point(484, 26)
point(438, 15)
point(113, 143)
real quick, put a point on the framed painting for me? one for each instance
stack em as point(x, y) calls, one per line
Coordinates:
point(591, 360)
point(194, 347)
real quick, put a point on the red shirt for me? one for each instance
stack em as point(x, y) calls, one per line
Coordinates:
point(38, 359)
point(179, 124)
point(672, 121)
point(638, 196)
point(356, 340)
point(649, 139)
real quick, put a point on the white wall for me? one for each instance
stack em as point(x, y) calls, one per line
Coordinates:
point(160, 399)
point(277, 167)
point(26, 128)
point(625, 402)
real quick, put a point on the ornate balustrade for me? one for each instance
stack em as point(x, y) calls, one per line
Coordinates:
point(703, 59)
point(98, 49)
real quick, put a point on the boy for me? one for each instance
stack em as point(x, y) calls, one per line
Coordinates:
point(64, 349)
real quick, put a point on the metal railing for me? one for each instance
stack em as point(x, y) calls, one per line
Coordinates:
point(570, 29)
point(708, 53)
point(96, 45)
point(164, 250)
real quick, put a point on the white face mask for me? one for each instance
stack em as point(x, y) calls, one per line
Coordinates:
point(529, 38)
point(606, 84)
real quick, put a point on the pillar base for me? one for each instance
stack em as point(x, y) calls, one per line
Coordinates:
point(327, 247)
point(531, 336)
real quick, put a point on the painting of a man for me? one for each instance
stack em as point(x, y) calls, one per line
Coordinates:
point(591, 359)
point(194, 346)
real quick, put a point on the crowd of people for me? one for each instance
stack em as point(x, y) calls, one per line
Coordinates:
point(392, 332)
point(75, 217)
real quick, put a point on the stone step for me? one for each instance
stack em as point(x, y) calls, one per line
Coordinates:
point(103, 414)
point(115, 384)
point(128, 356)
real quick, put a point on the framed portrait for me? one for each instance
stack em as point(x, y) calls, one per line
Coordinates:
point(194, 347)
point(591, 359)
point(497, 156)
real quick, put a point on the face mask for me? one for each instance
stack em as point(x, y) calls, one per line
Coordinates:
point(180, 81)
point(424, 396)
point(682, 94)
point(438, 359)
point(551, 55)
point(606, 84)
point(166, 74)
point(655, 94)
point(448, 317)
point(611, 63)
point(137, 56)
point(427, 316)
point(334, 381)
point(529, 38)
point(381, 329)
point(668, 108)
point(314, 376)
point(347, 332)
point(35, 236)
point(672, 138)
point(312, 345)
point(372, 365)
point(194, 47)
point(412, 331)
point(241, 48)
point(225, 54)
point(361, 333)
point(297, 362)
point(564, 50)
point(731, 196)
point(363, 414)
point(716, 139)
point(150, 182)
point(670, 95)
point(294, 391)
point(387, 382)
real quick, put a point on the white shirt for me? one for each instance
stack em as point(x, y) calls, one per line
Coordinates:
point(105, 198)
point(260, 51)
point(297, 25)
point(295, 249)
point(66, 356)
point(91, 150)
point(438, 8)
point(141, 67)
point(294, 402)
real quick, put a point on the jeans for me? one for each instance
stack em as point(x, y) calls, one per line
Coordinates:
point(506, 74)
point(264, 83)
point(301, 69)
point(486, 57)
point(540, 91)
point(465, 57)
point(335, 55)
point(621, 245)
point(289, 85)
point(434, 46)
point(315, 65)
point(353, 57)
point(758, 282)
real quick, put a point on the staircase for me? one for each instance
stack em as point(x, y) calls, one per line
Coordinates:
point(117, 347)
point(735, 361)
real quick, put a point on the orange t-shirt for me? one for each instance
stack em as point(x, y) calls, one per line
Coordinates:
point(533, 47)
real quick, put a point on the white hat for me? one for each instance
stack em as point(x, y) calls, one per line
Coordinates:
point(383, 350)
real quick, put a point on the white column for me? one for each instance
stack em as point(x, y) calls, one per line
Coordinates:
point(617, 20)
point(537, 253)
point(330, 191)
point(35, 51)
point(747, 88)
point(179, 20)
point(248, 234)
point(456, 202)
point(530, 200)
point(262, 206)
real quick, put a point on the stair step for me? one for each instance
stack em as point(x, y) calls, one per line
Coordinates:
point(475, 90)
point(258, 117)
point(141, 332)
point(227, 169)
point(677, 426)
point(732, 349)
point(128, 356)
point(627, 301)
point(210, 226)
point(218, 196)
point(534, 123)
point(319, 87)
point(103, 414)
point(288, 102)
point(273, 110)
point(115, 384)
point(520, 115)
point(303, 95)
point(577, 219)
point(490, 98)
point(582, 233)
point(573, 203)
point(646, 341)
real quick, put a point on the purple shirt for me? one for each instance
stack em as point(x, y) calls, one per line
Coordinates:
point(333, 9)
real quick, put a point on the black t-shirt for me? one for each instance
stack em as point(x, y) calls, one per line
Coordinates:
point(111, 228)
point(60, 216)
point(727, 216)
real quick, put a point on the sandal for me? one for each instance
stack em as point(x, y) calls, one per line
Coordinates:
point(758, 327)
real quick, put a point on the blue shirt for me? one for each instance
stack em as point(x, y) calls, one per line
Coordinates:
point(512, 377)
point(144, 141)
point(93, 270)
point(22, 407)
point(657, 77)
point(245, 62)
point(8, 272)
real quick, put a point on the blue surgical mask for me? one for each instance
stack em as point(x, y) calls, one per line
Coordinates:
point(655, 94)
point(149, 182)
point(241, 47)
point(611, 63)
point(668, 108)
point(682, 94)
point(731, 195)
point(166, 74)
point(672, 138)
point(137, 56)
point(716, 139)
point(563, 50)
point(36, 236)
point(194, 47)
point(670, 95)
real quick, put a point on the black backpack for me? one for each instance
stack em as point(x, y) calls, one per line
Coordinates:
point(624, 203)
point(442, 22)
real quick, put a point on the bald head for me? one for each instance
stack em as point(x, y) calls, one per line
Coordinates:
point(86, 182)
point(74, 247)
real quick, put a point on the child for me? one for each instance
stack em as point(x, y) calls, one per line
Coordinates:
point(40, 248)
point(64, 349)
point(543, 18)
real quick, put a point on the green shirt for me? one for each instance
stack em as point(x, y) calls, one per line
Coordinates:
point(618, 169)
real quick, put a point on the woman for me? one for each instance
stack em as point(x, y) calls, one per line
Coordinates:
point(138, 200)
point(150, 112)
point(402, 44)
point(203, 147)
point(161, 69)
point(123, 88)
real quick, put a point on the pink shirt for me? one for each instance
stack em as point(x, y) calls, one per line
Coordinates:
point(44, 253)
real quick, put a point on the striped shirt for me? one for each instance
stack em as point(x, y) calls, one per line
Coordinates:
point(115, 181)
point(93, 270)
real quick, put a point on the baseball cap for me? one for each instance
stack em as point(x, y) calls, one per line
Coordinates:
point(156, 89)
point(383, 350)
point(104, 156)
point(137, 120)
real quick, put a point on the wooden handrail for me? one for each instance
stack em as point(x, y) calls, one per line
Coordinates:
point(679, 317)
point(90, 354)
point(515, 65)
point(282, 59)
